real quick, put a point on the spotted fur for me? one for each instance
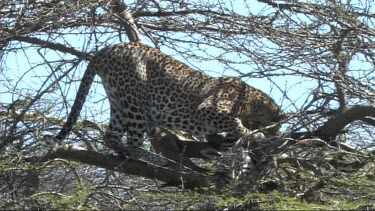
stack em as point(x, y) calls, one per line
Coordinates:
point(146, 88)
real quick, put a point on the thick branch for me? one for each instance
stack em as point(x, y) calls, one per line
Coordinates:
point(335, 125)
point(127, 21)
point(369, 121)
point(170, 146)
point(129, 166)
point(338, 80)
point(343, 60)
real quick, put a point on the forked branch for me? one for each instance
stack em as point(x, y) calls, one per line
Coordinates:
point(334, 126)
point(349, 114)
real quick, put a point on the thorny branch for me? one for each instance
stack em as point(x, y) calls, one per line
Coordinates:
point(326, 47)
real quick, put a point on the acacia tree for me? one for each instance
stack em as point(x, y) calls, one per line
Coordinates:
point(315, 59)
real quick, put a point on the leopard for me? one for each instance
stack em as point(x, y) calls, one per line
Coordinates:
point(148, 88)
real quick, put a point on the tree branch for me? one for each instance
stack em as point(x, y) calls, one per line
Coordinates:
point(168, 175)
point(335, 125)
point(54, 46)
point(127, 21)
point(288, 6)
point(343, 61)
point(180, 12)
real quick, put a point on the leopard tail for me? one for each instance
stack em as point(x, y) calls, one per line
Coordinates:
point(80, 99)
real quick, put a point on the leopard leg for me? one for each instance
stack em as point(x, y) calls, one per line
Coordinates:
point(115, 132)
point(121, 122)
point(135, 143)
point(113, 140)
point(133, 148)
point(136, 126)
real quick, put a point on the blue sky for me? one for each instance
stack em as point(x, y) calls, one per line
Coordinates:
point(26, 68)
point(20, 64)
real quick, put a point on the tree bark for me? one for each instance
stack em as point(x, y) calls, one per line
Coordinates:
point(349, 114)
point(174, 174)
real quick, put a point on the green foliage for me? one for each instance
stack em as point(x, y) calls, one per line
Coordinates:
point(70, 185)
point(299, 51)
point(74, 199)
point(277, 200)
